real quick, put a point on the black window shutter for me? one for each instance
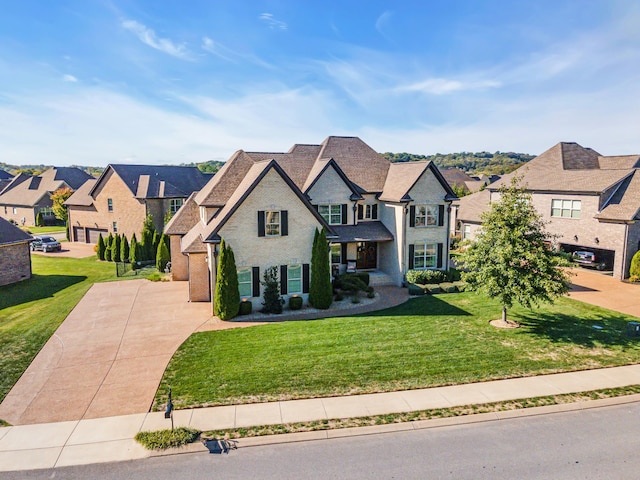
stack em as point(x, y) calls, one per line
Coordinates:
point(283, 279)
point(316, 207)
point(411, 254)
point(261, 223)
point(343, 253)
point(440, 248)
point(412, 216)
point(344, 214)
point(284, 223)
point(360, 212)
point(374, 211)
point(255, 280)
point(305, 278)
point(440, 215)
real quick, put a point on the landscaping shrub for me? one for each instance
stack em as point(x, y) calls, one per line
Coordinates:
point(371, 294)
point(320, 291)
point(350, 282)
point(39, 220)
point(432, 288)
point(162, 256)
point(448, 287)
point(295, 303)
point(273, 302)
point(163, 439)
point(453, 275)
point(146, 239)
point(415, 289)
point(124, 249)
point(134, 251)
point(115, 248)
point(634, 269)
point(338, 297)
point(460, 285)
point(426, 276)
point(227, 295)
point(101, 247)
point(108, 253)
point(245, 308)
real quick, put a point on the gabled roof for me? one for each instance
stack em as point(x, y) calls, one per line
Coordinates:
point(624, 204)
point(250, 182)
point(471, 207)
point(9, 233)
point(157, 181)
point(27, 190)
point(365, 167)
point(81, 196)
point(5, 175)
point(318, 170)
point(185, 218)
point(403, 176)
point(569, 167)
point(217, 191)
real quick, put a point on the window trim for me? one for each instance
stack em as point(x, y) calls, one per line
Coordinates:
point(290, 278)
point(249, 283)
point(571, 210)
point(424, 256)
point(330, 214)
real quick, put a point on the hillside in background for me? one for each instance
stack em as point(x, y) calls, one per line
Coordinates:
point(473, 163)
point(497, 163)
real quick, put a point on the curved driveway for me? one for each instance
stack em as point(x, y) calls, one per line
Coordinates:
point(108, 356)
point(604, 291)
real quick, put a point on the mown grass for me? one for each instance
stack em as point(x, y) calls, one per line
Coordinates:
point(42, 230)
point(164, 439)
point(428, 341)
point(32, 310)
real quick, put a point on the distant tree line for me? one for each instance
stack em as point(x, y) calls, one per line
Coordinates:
point(473, 163)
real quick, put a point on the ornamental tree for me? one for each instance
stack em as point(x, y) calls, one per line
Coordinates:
point(162, 255)
point(134, 251)
point(320, 290)
point(511, 259)
point(116, 248)
point(57, 202)
point(108, 252)
point(101, 247)
point(226, 301)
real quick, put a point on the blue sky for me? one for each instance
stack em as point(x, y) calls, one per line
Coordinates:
point(93, 82)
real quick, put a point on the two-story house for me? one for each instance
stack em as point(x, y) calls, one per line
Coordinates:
point(27, 195)
point(590, 201)
point(380, 217)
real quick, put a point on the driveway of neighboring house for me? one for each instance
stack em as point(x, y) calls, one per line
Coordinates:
point(604, 291)
point(108, 356)
point(70, 249)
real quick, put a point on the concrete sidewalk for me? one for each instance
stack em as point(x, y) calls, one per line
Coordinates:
point(110, 439)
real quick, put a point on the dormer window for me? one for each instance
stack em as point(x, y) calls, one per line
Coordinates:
point(333, 214)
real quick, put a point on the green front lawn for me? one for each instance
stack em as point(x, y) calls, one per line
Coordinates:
point(32, 310)
point(431, 340)
point(43, 230)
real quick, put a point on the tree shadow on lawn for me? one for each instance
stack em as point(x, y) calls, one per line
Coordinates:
point(597, 330)
point(36, 288)
point(427, 305)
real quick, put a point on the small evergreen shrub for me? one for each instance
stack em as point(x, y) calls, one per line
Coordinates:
point(448, 287)
point(426, 276)
point(101, 247)
point(634, 269)
point(273, 302)
point(415, 289)
point(246, 308)
point(39, 220)
point(460, 285)
point(432, 288)
point(453, 275)
point(108, 252)
point(162, 255)
point(115, 248)
point(295, 303)
point(355, 298)
point(350, 283)
point(227, 295)
point(371, 294)
point(338, 297)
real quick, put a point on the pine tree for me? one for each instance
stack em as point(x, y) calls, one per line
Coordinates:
point(101, 247)
point(108, 252)
point(115, 248)
point(124, 249)
point(155, 243)
point(226, 295)
point(320, 290)
point(162, 256)
point(134, 251)
point(510, 259)
point(272, 300)
point(147, 251)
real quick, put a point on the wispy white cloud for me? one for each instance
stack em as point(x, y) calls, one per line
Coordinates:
point(216, 48)
point(272, 22)
point(69, 78)
point(149, 37)
point(442, 86)
point(383, 21)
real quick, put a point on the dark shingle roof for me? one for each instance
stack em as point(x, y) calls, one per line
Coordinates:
point(9, 233)
point(363, 232)
point(27, 190)
point(160, 181)
point(5, 175)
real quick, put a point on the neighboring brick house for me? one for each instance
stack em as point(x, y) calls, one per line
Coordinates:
point(15, 254)
point(121, 198)
point(26, 195)
point(592, 202)
point(381, 217)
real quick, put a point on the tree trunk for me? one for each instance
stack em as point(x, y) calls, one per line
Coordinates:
point(504, 314)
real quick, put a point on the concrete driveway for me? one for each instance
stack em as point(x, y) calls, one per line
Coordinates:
point(604, 291)
point(108, 356)
point(71, 249)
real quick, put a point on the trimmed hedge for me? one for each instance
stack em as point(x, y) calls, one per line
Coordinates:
point(245, 308)
point(415, 289)
point(432, 288)
point(448, 287)
point(295, 303)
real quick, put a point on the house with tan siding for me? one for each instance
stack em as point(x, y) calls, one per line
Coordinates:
point(121, 198)
point(379, 217)
point(27, 195)
point(590, 201)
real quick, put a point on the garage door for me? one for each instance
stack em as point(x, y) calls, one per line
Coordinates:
point(78, 234)
point(94, 233)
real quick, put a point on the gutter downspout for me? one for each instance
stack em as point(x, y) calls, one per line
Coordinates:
point(403, 244)
point(213, 275)
point(625, 251)
point(448, 240)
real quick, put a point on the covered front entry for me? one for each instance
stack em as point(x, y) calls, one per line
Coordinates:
point(367, 255)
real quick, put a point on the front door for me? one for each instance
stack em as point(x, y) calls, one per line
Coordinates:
point(367, 255)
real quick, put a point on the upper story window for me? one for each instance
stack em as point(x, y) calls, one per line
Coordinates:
point(368, 212)
point(273, 223)
point(110, 204)
point(175, 204)
point(566, 208)
point(245, 282)
point(426, 216)
point(332, 214)
point(115, 227)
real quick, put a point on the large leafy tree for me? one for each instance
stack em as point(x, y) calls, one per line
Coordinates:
point(226, 300)
point(511, 259)
point(320, 290)
point(58, 198)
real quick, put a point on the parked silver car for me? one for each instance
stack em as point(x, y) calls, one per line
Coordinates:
point(588, 259)
point(46, 244)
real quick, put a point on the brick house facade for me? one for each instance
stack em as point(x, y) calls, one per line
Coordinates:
point(15, 254)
